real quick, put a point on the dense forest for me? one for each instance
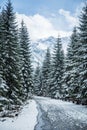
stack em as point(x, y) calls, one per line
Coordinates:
point(60, 76)
point(65, 76)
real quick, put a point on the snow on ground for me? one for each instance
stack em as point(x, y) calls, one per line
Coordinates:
point(77, 112)
point(57, 111)
point(26, 120)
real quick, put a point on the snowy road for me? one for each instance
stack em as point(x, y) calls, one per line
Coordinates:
point(47, 114)
point(60, 115)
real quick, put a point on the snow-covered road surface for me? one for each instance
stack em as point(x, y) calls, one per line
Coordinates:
point(60, 115)
point(47, 114)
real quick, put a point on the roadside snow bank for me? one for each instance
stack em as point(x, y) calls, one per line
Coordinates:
point(26, 120)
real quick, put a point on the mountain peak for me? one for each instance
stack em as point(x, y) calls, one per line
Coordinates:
point(39, 47)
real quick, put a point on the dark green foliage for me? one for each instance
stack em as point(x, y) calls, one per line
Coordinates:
point(9, 53)
point(15, 62)
point(38, 81)
point(25, 56)
point(71, 69)
point(3, 95)
point(82, 52)
point(46, 71)
point(2, 44)
point(57, 71)
point(76, 62)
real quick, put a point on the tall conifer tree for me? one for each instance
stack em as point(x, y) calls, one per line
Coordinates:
point(38, 81)
point(82, 53)
point(46, 71)
point(11, 50)
point(57, 71)
point(25, 53)
point(71, 71)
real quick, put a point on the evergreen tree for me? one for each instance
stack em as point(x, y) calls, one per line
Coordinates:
point(82, 53)
point(10, 56)
point(3, 86)
point(46, 71)
point(71, 71)
point(38, 81)
point(56, 87)
point(3, 95)
point(25, 54)
point(2, 44)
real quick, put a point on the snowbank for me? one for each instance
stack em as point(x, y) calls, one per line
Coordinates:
point(26, 120)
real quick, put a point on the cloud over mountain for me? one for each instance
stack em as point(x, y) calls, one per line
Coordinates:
point(40, 27)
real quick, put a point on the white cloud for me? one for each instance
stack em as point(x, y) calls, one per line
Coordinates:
point(71, 20)
point(39, 26)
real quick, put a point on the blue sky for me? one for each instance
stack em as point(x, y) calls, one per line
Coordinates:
point(40, 6)
point(48, 17)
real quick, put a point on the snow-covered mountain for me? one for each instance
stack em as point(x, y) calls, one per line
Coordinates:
point(39, 47)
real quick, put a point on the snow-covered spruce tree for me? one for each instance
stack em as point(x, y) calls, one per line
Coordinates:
point(1, 62)
point(25, 54)
point(3, 87)
point(2, 44)
point(82, 53)
point(56, 86)
point(3, 95)
point(71, 71)
point(46, 71)
point(37, 81)
point(11, 54)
